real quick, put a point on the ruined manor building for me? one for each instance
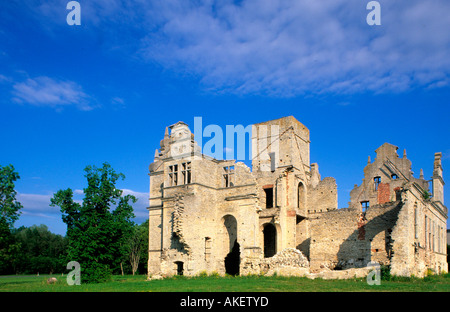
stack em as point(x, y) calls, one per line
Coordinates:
point(209, 215)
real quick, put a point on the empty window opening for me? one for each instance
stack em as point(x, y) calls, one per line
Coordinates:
point(228, 176)
point(269, 197)
point(186, 172)
point(376, 182)
point(270, 240)
point(394, 176)
point(365, 205)
point(173, 175)
point(180, 267)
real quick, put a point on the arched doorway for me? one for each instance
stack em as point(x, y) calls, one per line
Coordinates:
point(233, 256)
point(270, 240)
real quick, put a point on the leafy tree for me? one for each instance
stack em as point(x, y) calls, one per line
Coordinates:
point(143, 265)
point(40, 251)
point(9, 213)
point(137, 245)
point(96, 234)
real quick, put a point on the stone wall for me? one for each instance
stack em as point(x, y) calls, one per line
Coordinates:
point(347, 238)
point(323, 197)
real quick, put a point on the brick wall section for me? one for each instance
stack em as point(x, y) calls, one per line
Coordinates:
point(384, 193)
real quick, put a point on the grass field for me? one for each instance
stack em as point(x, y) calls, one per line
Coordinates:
point(138, 283)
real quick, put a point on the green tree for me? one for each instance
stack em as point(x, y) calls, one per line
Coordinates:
point(96, 233)
point(137, 246)
point(143, 265)
point(9, 213)
point(40, 251)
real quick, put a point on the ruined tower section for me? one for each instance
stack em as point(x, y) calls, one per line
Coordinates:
point(202, 211)
point(166, 206)
point(438, 180)
point(289, 186)
point(392, 219)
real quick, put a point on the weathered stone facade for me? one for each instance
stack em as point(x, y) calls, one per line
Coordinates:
point(282, 217)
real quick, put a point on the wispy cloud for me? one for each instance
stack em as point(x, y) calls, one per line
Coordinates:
point(3, 78)
point(47, 92)
point(290, 47)
point(78, 192)
point(140, 208)
point(118, 103)
point(280, 48)
point(446, 154)
point(38, 205)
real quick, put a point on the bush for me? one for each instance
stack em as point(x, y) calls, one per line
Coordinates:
point(385, 272)
point(95, 273)
point(203, 274)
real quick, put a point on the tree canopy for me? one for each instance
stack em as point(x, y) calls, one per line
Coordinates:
point(9, 213)
point(97, 229)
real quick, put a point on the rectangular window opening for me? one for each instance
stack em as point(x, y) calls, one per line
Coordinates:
point(228, 176)
point(269, 197)
point(376, 182)
point(365, 205)
point(186, 172)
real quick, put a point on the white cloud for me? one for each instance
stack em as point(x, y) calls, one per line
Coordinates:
point(280, 48)
point(3, 78)
point(140, 207)
point(38, 205)
point(290, 47)
point(118, 103)
point(45, 91)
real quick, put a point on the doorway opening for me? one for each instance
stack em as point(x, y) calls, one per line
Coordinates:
point(233, 257)
point(233, 260)
point(180, 267)
point(270, 240)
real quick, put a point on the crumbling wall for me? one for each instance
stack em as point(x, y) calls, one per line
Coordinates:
point(289, 261)
point(348, 238)
point(323, 197)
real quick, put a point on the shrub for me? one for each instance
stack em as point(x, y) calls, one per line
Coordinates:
point(203, 274)
point(385, 272)
point(95, 273)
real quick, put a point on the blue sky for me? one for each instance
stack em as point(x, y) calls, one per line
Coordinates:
point(73, 96)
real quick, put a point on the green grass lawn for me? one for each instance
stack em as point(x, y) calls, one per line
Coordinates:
point(138, 283)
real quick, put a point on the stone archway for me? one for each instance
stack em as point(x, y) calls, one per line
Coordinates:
point(231, 245)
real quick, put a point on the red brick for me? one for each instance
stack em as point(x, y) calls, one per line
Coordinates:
point(384, 193)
